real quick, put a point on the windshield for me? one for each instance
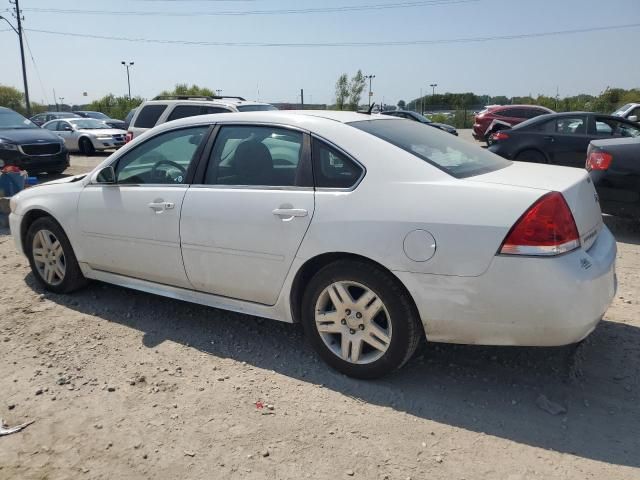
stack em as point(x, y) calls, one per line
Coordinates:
point(89, 124)
point(456, 157)
point(11, 120)
point(622, 109)
point(256, 108)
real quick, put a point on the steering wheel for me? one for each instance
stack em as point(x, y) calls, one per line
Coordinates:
point(179, 179)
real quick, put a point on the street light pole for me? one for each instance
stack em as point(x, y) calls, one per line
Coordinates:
point(127, 65)
point(61, 103)
point(370, 77)
point(18, 32)
point(433, 88)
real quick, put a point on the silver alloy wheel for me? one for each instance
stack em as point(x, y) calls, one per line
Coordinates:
point(48, 257)
point(353, 322)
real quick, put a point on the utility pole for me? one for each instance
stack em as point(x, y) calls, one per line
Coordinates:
point(302, 99)
point(18, 31)
point(127, 65)
point(370, 77)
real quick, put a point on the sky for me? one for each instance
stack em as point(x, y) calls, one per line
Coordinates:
point(586, 62)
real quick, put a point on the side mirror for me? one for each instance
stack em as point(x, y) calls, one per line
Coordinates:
point(633, 118)
point(106, 175)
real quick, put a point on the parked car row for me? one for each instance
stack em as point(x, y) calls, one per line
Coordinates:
point(416, 117)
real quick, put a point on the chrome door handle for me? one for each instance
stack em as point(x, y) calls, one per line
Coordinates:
point(161, 205)
point(290, 212)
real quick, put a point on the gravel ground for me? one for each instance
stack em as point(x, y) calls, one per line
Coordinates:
point(122, 384)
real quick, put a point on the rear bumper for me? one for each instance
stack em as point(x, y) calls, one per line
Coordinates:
point(520, 300)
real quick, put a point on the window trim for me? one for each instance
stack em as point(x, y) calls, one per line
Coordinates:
point(363, 169)
point(305, 160)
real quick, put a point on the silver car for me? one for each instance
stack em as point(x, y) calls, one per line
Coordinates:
point(86, 135)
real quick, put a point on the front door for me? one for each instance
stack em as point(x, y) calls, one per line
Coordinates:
point(132, 227)
point(241, 228)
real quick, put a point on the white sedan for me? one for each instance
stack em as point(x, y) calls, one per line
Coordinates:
point(373, 232)
point(86, 135)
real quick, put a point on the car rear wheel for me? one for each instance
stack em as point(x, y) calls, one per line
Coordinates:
point(51, 257)
point(86, 147)
point(360, 319)
point(533, 156)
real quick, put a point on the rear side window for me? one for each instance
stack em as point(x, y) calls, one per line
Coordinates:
point(571, 125)
point(149, 115)
point(456, 157)
point(505, 113)
point(182, 111)
point(209, 110)
point(256, 156)
point(332, 169)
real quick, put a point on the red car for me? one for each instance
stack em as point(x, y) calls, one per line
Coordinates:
point(500, 117)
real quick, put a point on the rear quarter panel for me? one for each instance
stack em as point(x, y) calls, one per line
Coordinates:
point(401, 193)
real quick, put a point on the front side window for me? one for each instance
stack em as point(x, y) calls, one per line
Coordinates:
point(332, 169)
point(627, 130)
point(52, 126)
point(571, 126)
point(163, 159)
point(149, 115)
point(456, 157)
point(256, 156)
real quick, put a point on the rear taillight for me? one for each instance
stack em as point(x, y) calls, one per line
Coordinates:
point(128, 137)
point(547, 228)
point(599, 161)
point(499, 136)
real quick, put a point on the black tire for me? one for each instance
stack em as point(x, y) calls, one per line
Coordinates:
point(533, 156)
point(487, 138)
point(86, 147)
point(407, 329)
point(73, 278)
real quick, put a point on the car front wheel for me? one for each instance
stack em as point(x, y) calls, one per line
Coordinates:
point(360, 319)
point(51, 257)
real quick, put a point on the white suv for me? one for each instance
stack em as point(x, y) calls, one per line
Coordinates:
point(164, 109)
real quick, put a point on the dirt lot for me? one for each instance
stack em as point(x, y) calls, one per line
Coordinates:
point(123, 384)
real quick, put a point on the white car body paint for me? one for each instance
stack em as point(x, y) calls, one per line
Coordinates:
point(465, 292)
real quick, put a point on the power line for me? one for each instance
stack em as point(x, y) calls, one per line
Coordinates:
point(381, 43)
point(35, 66)
point(285, 11)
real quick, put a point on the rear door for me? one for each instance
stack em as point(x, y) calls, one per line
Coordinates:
point(243, 224)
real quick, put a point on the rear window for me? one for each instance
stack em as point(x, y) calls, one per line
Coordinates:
point(255, 108)
point(457, 157)
point(149, 115)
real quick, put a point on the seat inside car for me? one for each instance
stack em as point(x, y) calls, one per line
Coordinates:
point(252, 164)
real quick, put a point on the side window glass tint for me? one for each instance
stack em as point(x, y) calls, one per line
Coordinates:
point(256, 155)
point(332, 169)
point(52, 126)
point(163, 159)
point(605, 128)
point(149, 115)
point(571, 125)
point(183, 111)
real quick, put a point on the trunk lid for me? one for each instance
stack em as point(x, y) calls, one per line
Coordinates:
point(574, 184)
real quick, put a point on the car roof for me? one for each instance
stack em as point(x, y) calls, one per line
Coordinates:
point(496, 107)
point(300, 118)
